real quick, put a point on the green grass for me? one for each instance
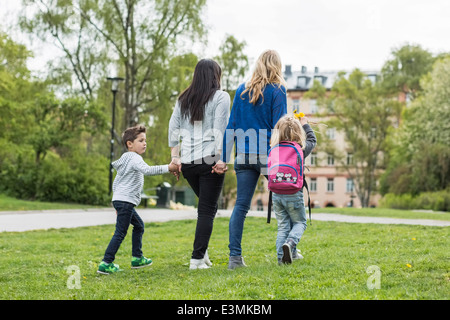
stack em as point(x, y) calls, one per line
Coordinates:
point(13, 204)
point(389, 213)
point(414, 263)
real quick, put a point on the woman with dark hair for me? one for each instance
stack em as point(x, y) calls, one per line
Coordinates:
point(196, 130)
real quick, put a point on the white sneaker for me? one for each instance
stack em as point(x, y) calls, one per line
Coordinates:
point(198, 264)
point(206, 258)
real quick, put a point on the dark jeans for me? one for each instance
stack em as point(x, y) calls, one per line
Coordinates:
point(126, 215)
point(207, 186)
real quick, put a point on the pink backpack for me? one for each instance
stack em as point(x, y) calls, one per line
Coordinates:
point(285, 165)
point(286, 171)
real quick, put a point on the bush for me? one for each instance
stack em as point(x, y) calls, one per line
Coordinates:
point(437, 201)
point(76, 178)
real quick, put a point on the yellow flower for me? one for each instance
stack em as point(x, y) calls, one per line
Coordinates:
point(413, 238)
point(299, 115)
point(408, 265)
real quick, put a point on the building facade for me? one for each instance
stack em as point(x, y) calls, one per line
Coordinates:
point(329, 186)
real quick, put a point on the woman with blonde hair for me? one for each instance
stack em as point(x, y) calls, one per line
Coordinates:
point(257, 107)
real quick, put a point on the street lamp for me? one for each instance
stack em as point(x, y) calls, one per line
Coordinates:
point(114, 89)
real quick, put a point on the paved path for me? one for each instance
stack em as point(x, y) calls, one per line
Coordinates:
point(47, 219)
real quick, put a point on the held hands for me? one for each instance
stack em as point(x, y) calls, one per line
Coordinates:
point(175, 167)
point(220, 167)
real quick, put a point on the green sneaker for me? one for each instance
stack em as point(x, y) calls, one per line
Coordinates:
point(141, 262)
point(108, 268)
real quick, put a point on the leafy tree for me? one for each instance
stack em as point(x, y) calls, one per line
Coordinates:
point(233, 61)
point(136, 37)
point(420, 159)
point(364, 114)
point(403, 72)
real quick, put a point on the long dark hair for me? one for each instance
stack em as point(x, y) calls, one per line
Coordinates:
point(205, 83)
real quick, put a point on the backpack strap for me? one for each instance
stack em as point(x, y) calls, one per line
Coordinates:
point(269, 207)
point(309, 200)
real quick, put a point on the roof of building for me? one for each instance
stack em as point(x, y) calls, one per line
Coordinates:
point(303, 80)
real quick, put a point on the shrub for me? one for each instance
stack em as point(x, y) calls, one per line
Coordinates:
point(437, 201)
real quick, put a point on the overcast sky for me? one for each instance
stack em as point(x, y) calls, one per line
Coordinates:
point(329, 34)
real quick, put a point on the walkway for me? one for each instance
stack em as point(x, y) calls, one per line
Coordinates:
point(47, 219)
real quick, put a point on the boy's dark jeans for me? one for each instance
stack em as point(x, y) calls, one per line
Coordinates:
point(126, 215)
point(207, 186)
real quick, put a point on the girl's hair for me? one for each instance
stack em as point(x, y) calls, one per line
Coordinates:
point(288, 128)
point(131, 134)
point(205, 83)
point(267, 70)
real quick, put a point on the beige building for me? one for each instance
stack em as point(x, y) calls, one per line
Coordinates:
point(329, 187)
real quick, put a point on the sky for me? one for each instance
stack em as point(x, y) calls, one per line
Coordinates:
point(331, 34)
point(328, 34)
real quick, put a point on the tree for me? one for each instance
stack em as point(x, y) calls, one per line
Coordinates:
point(233, 61)
point(420, 159)
point(135, 36)
point(363, 112)
point(403, 72)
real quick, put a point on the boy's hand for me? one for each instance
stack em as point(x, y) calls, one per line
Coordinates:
point(175, 167)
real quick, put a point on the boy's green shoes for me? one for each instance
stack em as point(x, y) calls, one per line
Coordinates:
point(108, 268)
point(141, 262)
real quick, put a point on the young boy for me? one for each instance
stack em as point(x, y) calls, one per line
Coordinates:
point(127, 188)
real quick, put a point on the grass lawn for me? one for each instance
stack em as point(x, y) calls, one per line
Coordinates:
point(389, 213)
point(13, 204)
point(413, 260)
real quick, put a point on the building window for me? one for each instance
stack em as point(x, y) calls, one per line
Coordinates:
point(313, 158)
point(302, 82)
point(296, 104)
point(330, 185)
point(349, 159)
point(313, 185)
point(349, 185)
point(330, 160)
point(331, 133)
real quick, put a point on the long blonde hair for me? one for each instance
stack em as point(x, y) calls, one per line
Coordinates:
point(288, 128)
point(267, 70)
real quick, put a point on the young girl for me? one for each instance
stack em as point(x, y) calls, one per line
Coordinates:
point(290, 208)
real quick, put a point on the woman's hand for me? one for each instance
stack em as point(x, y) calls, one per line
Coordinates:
point(220, 167)
point(175, 167)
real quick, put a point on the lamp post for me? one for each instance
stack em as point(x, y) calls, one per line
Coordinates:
point(114, 89)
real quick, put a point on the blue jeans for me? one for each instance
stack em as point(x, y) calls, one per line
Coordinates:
point(248, 169)
point(291, 217)
point(126, 215)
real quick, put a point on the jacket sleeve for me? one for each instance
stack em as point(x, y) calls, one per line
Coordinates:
point(279, 106)
point(140, 165)
point(228, 136)
point(311, 140)
point(174, 126)
point(221, 115)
